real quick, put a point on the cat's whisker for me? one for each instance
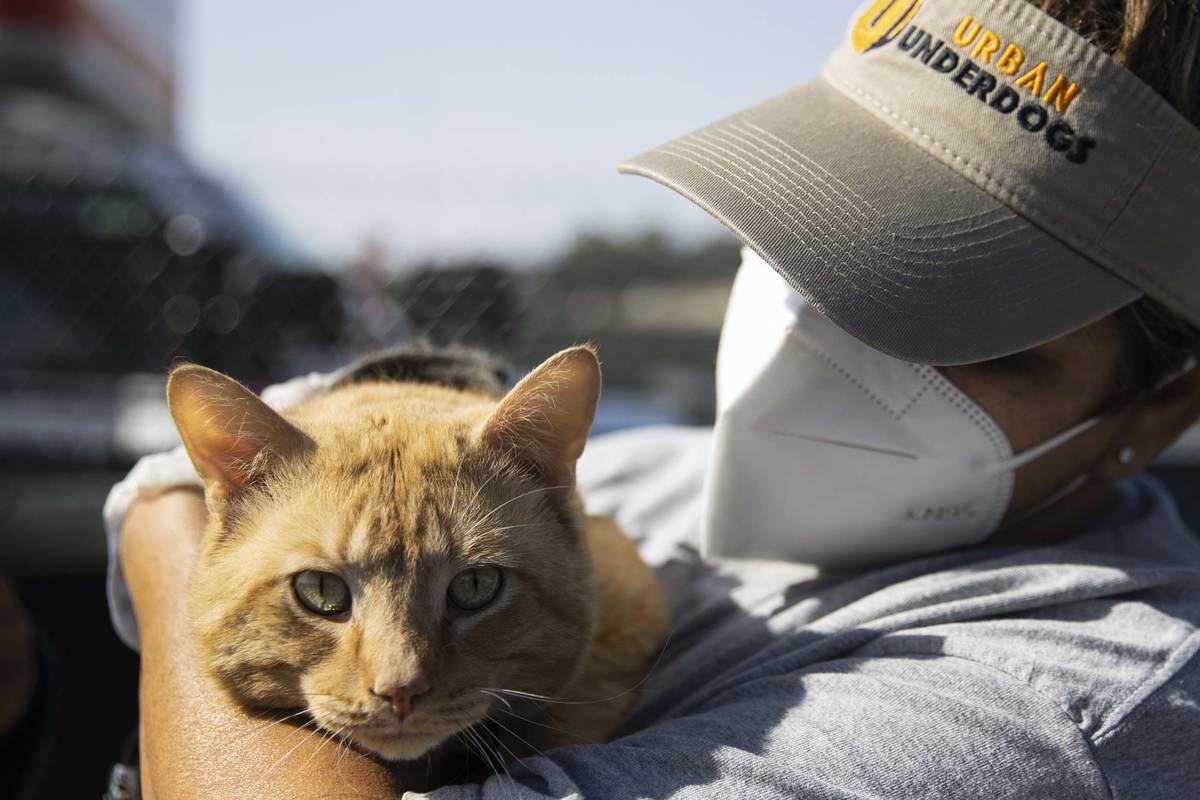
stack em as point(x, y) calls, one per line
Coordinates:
point(561, 701)
point(482, 486)
point(325, 734)
point(479, 523)
point(331, 737)
point(541, 698)
point(247, 738)
point(454, 499)
point(496, 748)
point(347, 748)
point(337, 764)
point(472, 750)
point(462, 735)
point(465, 766)
point(564, 731)
point(497, 697)
point(519, 737)
point(472, 741)
point(513, 756)
point(521, 525)
point(490, 753)
point(261, 728)
point(286, 755)
point(494, 762)
point(484, 751)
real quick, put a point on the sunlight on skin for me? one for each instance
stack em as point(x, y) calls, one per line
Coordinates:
point(188, 725)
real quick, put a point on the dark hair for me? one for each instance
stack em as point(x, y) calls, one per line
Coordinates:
point(1159, 41)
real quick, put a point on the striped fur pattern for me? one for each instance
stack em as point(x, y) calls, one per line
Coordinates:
point(396, 487)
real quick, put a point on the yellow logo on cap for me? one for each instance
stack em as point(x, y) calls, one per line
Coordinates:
point(966, 58)
point(881, 23)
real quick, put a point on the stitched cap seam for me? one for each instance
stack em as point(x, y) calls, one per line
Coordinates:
point(1004, 192)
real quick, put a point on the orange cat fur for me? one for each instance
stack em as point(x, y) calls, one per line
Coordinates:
point(350, 540)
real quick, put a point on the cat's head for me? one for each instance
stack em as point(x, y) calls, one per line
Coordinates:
point(390, 552)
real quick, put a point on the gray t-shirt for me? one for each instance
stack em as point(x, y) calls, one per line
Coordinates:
point(1066, 671)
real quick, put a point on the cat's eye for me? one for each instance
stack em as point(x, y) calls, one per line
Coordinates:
point(321, 592)
point(474, 588)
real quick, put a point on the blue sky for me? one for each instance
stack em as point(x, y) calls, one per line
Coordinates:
point(459, 129)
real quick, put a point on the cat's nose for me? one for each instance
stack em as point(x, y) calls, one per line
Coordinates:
point(400, 694)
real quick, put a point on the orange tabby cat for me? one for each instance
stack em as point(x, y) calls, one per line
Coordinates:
point(411, 564)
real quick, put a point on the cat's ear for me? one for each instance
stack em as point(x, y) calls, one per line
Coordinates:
point(232, 437)
point(545, 419)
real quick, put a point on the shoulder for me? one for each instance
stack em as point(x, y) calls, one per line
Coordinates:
point(650, 482)
point(1003, 672)
point(1097, 626)
point(1055, 675)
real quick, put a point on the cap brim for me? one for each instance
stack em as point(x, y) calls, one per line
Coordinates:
point(891, 244)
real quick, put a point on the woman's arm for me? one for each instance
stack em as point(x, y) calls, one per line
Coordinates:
point(196, 743)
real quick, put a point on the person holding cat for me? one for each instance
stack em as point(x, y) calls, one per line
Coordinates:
point(915, 558)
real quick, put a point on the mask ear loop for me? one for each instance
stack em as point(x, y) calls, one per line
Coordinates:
point(1072, 486)
point(1079, 481)
point(1032, 453)
point(1024, 457)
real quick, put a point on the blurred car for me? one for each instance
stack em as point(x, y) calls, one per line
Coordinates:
point(118, 257)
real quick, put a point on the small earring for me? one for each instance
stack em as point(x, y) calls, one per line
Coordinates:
point(1125, 455)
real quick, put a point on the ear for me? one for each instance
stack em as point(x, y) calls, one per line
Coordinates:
point(1152, 426)
point(545, 419)
point(232, 437)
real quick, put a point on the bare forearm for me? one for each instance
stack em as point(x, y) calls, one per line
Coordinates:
point(195, 742)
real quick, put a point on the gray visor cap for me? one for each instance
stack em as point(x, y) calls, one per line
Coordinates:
point(944, 242)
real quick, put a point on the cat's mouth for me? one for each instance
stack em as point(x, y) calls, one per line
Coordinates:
point(406, 740)
point(395, 743)
point(395, 739)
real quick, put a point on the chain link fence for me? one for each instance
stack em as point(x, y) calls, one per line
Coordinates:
point(118, 258)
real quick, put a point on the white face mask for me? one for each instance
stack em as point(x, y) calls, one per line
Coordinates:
point(829, 452)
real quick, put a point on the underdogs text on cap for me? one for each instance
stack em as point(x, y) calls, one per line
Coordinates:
point(1029, 98)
